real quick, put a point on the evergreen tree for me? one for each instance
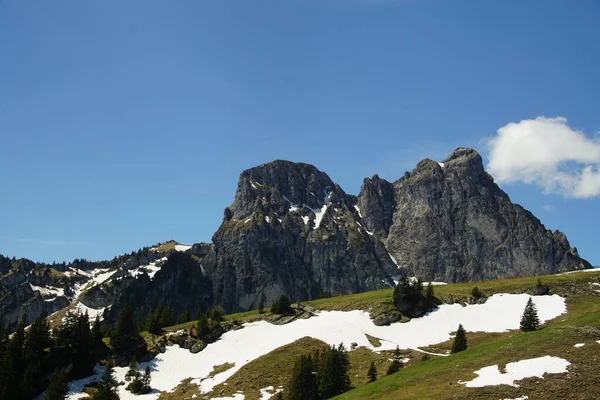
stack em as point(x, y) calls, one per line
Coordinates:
point(541, 289)
point(202, 326)
point(216, 313)
point(460, 340)
point(332, 371)
point(184, 317)
point(125, 336)
point(396, 362)
point(97, 332)
point(146, 381)
point(429, 292)
point(261, 304)
point(107, 387)
point(372, 373)
point(303, 384)
point(529, 320)
point(58, 388)
point(394, 367)
point(475, 292)
point(282, 306)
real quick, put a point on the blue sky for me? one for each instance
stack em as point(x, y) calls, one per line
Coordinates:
point(125, 123)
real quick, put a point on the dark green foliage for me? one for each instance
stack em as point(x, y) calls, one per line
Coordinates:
point(321, 376)
point(58, 388)
point(541, 289)
point(394, 367)
point(282, 306)
point(261, 304)
point(125, 337)
point(396, 362)
point(460, 340)
point(216, 313)
point(529, 320)
point(160, 318)
point(372, 373)
point(409, 299)
point(107, 387)
point(184, 316)
point(202, 326)
point(332, 371)
point(146, 381)
point(425, 357)
point(475, 292)
point(97, 332)
point(303, 384)
point(429, 292)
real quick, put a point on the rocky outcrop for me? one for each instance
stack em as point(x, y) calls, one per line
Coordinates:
point(292, 230)
point(452, 223)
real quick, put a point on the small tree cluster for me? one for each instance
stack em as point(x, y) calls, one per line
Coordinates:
point(320, 376)
point(125, 337)
point(460, 340)
point(529, 320)
point(160, 318)
point(140, 383)
point(396, 362)
point(282, 306)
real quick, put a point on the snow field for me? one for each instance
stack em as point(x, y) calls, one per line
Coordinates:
point(182, 247)
point(515, 371)
point(500, 313)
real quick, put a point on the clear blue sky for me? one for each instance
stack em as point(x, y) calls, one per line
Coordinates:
point(125, 123)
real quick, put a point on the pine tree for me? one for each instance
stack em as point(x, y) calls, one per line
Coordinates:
point(261, 304)
point(529, 320)
point(146, 381)
point(107, 387)
point(125, 336)
point(282, 306)
point(202, 326)
point(58, 388)
point(460, 340)
point(332, 371)
point(184, 317)
point(303, 384)
point(394, 367)
point(372, 373)
point(429, 292)
point(475, 292)
point(97, 333)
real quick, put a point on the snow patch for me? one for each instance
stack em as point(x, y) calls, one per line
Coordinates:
point(48, 290)
point(268, 392)
point(578, 345)
point(580, 270)
point(91, 312)
point(358, 210)
point(441, 164)
point(151, 269)
point(268, 219)
point(515, 371)
point(182, 247)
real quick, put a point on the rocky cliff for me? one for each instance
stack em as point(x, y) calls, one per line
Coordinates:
point(449, 221)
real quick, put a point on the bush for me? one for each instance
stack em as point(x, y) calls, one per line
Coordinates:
point(475, 292)
point(282, 306)
point(394, 367)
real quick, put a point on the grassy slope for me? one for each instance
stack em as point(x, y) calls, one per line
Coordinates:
point(438, 377)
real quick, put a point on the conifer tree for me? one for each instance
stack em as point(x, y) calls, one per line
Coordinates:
point(529, 320)
point(429, 292)
point(396, 362)
point(107, 387)
point(460, 340)
point(58, 388)
point(202, 326)
point(261, 304)
point(372, 373)
point(125, 336)
point(97, 333)
point(282, 306)
point(184, 317)
point(332, 371)
point(146, 381)
point(303, 384)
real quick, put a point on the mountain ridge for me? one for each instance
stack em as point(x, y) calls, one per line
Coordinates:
point(291, 229)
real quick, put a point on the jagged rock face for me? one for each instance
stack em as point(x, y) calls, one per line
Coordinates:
point(453, 223)
point(292, 230)
point(377, 203)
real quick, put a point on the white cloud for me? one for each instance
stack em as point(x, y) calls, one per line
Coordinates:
point(549, 208)
point(549, 153)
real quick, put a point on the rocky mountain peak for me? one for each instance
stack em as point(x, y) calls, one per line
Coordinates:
point(280, 183)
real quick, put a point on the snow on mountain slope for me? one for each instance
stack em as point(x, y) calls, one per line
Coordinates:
point(500, 313)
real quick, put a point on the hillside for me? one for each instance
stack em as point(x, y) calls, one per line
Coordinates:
point(251, 361)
